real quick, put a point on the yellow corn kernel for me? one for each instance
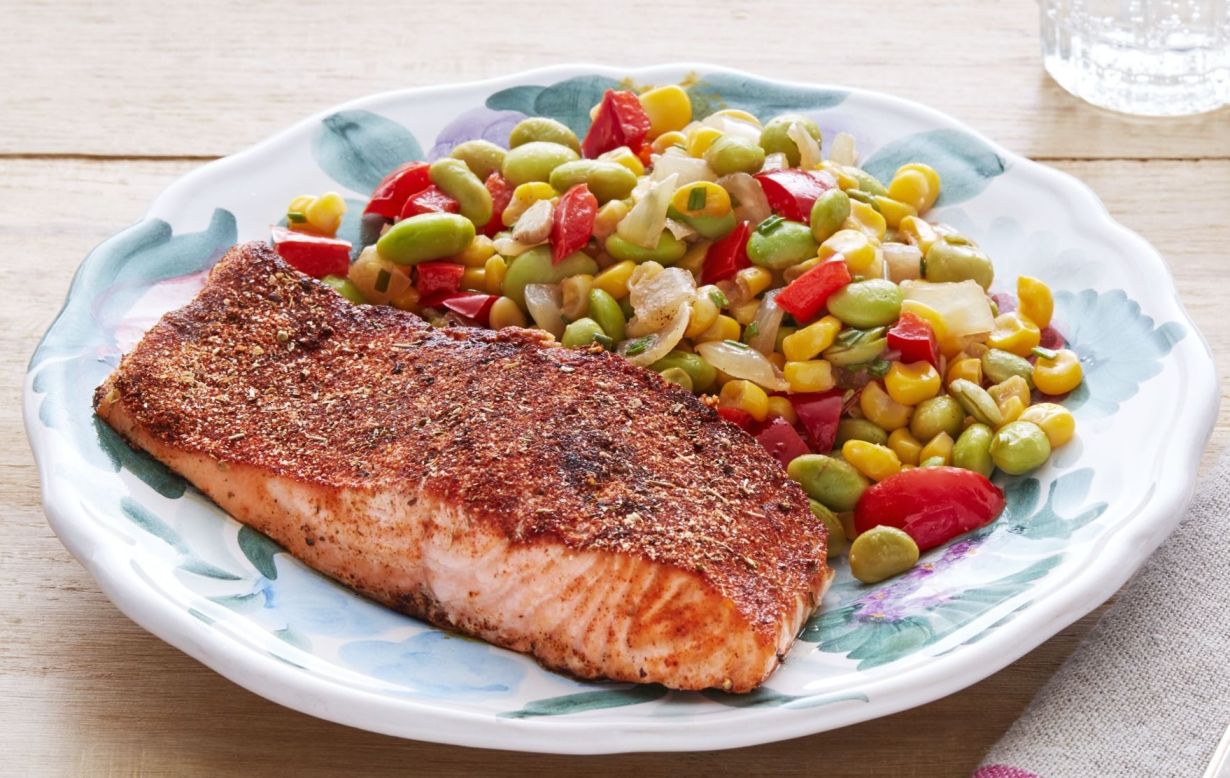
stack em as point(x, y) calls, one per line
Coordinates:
point(968, 368)
point(299, 206)
point(780, 408)
point(932, 177)
point(805, 343)
point(724, 328)
point(1014, 333)
point(745, 313)
point(866, 220)
point(495, 268)
point(506, 313)
point(325, 213)
point(704, 314)
point(701, 198)
point(777, 360)
point(751, 281)
point(893, 210)
point(856, 247)
point(406, 300)
point(1055, 420)
point(1059, 375)
point(933, 317)
point(477, 253)
point(812, 375)
point(694, 259)
point(871, 459)
point(474, 279)
point(738, 114)
point(523, 197)
point(747, 397)
point(1035, 301)
point(608, 218)
point(1015, 386)
point(669, 109)
point(794, 271)
point(905, 445)
point(614, 280)
point(381, 281)
point(911, 384)
point(667, 140)
point(574, 296)
point(845, 181)
point(700, 139)
point(918, 232)
point(624, 156)
point(1011, 409)
point(911, 188)
point(939, 446)
point(881, 409)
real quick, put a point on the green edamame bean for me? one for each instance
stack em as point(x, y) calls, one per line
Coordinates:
point(581, 332)
point(939, 414)
point(540, 128)
point(482, 157)
point(976, 402)
point(828, 213)
point(867, 182)
point(535, 267)
point(998, 366)
point(972, 451)
point(946, 261)
point(837, 533)
point(1020, 446)
point(605, 310)
point(456, 180)
point(783, 244)
point(701, 372)
point(708, 227)
point(880, 553)
point(677, 375)
point(859, 353)
point(832, 482)
point(426, 236)
point(534, 161)
point(734, 154)
point(668, 251)
point(345, 287)
point(774, 140)
point(606, 180)
point(859, 429)
point(871, 303)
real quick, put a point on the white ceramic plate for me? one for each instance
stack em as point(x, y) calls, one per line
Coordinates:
point(1071, 535)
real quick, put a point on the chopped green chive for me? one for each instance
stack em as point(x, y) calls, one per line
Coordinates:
point(736, 344)
point(752, 330)
point(1044, 353)
point(696, 199)
point(296, 217)
point(606, 341)
point(382, 281)
point(769, 224)
point(638, 346)
point(718, 298)
point(878, 368)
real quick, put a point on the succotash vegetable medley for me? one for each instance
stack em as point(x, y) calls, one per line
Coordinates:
point(811, 304)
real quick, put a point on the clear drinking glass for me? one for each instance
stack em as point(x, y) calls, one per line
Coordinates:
point(1146, 57)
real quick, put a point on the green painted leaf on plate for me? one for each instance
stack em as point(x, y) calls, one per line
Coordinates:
point(586, 701)
point(358, 148)
point(567, 101)
point(260, 551)
point(156, 475)
point(763, 99)
point(764, 697)
point(966, 164)
point(145, 519)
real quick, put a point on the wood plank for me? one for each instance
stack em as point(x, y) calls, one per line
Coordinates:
point(186, 79)
point(85, 691)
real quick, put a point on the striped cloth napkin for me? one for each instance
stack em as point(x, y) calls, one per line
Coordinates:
point(1148, 691)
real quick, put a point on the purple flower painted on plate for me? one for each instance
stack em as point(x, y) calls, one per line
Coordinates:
point(478, 124)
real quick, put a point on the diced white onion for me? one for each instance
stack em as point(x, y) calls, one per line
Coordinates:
point(739, 361)
point(511, 247)
point(767, 322)
point(809, 149)
point(651, 348)
point(688, 169)
point(752, 206)
point(729, 125)
point(964, 306)
point(680, 230)
point(656, 298)
point(902, 261)
point(545, 304)
point(644, 223)
point(534, 226)
point(842, 151)
point(775, 161)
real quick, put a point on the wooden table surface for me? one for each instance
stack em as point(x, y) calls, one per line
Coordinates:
point(105, 104)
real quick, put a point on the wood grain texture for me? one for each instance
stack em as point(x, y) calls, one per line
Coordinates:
point(85, 691)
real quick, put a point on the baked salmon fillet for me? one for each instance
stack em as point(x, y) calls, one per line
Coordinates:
point(563, 503)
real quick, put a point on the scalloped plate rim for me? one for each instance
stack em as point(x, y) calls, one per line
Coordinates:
point(1123, 550)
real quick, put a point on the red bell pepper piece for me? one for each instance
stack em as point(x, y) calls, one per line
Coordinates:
point(473, 306)
point(736, 416)
point(437, 278)
point(315, 255)
point(620, 121)
point(782, 441)
point(930, 504)
point(727, 255)
point(501, 195)
point(397, 187)
point(429, 200)
point(819, 413)
point(804, 297)
point(913, 337)
point(791, 192)
point(573, 222)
